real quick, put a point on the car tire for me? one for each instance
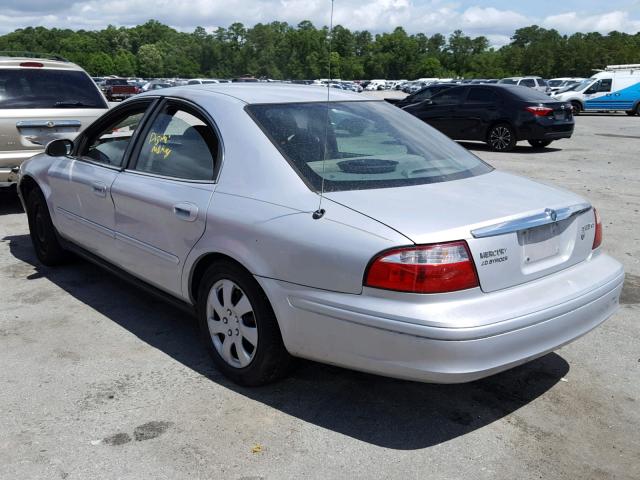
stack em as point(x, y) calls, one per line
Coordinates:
point(537, 144)
point(239, 328)
point(631, 113)
point(577, 107)
point(501, 138)
point(43, 234)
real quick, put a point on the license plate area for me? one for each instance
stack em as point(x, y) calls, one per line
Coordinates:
point(560, 115)
point(540, 243)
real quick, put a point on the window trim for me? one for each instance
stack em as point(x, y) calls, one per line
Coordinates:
point(107, 120)
point(187, 105)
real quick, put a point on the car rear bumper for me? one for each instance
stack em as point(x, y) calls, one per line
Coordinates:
point(454, 340)
point(552, 131)
point(10, 163)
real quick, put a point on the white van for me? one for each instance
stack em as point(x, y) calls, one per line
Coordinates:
point(376, 85)
point(616, 88)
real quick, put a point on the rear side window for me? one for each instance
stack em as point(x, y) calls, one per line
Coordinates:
point(481, 95)
point(179, 144)
point(528, 82)
point(46, 88)
point(363, 145)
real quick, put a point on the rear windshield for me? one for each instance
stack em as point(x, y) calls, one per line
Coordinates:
point(44, 88)
point(368, 144)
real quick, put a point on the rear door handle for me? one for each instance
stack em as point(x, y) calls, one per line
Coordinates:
point(186, 211)
point(99, 189)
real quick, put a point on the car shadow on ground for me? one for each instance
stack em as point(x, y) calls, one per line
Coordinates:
point(9, 201)
point(381, 411)
point(519, 148)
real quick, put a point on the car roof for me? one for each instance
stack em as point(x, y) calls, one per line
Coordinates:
point(14, 62)
point(253, 92)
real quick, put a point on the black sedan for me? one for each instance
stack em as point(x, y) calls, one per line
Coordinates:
point(499, 115)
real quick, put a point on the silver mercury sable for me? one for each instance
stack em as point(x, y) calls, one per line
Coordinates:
point(420, 261)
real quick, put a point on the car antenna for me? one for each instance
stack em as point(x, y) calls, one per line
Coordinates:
point(319, 213)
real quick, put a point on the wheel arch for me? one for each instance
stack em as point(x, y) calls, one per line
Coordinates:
point(201, 265)
point(499, 121)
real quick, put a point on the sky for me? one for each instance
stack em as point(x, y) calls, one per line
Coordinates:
point(495, 19)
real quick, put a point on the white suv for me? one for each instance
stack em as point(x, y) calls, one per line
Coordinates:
point(537, 83)
point(41, 99)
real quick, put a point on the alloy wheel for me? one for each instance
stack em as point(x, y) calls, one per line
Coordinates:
point(500, 138)
point(232, 324)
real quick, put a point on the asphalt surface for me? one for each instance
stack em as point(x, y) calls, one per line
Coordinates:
point(99, 380)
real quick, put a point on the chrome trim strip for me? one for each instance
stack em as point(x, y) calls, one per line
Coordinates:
point(147, 248)
point(48, 123)
point(87, 223)
point(531, 221)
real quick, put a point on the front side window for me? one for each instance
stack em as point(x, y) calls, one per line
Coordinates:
point(368, 144)
point(179, 144)
point(108, 146)
point(528, 82)
point(605, 85)
point(451, 96)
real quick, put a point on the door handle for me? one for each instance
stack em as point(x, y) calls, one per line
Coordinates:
point(186, 211)
point(99, 189)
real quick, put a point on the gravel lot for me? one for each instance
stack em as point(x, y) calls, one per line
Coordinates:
point(99, 380)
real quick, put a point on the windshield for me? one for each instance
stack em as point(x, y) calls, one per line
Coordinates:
point(577, 87)
point(369, 144)
point(45, 88)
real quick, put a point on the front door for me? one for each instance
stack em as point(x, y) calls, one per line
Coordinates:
point(161, 199)
point(439, 111)
point(81, 184)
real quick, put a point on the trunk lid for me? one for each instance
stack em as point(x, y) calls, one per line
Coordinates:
point(515, 238)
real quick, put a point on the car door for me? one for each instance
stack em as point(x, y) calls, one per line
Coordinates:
point(161, 198)
point(439, 110)
point(474, 114)
point(81, 183)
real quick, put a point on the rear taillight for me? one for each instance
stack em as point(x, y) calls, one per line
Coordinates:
point(597, 238)
point(438, 268)
point(32, 64)
point(540, 111)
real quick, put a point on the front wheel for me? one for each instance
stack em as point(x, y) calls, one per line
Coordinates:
point(539, 143)
point(42, 232)
point(501, 138)
point(239, 328)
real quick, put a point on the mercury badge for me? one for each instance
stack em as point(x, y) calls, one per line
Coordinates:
point(551, 213)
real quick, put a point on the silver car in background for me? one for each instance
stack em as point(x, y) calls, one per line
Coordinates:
point(41, 99)
point(346, 232)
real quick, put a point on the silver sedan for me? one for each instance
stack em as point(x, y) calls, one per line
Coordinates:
point(346, 232)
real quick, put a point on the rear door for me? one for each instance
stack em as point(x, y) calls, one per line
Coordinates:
point(161, 199)
point(81, 184)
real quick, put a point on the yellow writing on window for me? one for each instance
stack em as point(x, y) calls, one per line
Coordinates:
point(158, 142)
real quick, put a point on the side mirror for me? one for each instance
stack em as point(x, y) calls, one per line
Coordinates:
point(59, 148)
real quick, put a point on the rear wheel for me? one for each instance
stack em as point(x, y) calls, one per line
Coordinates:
point(577, 107)
point(42, 232)
point(501, 138)
point(239, 328)
point(539, 143)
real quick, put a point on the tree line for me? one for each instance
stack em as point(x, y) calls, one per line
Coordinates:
point(282, 51)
